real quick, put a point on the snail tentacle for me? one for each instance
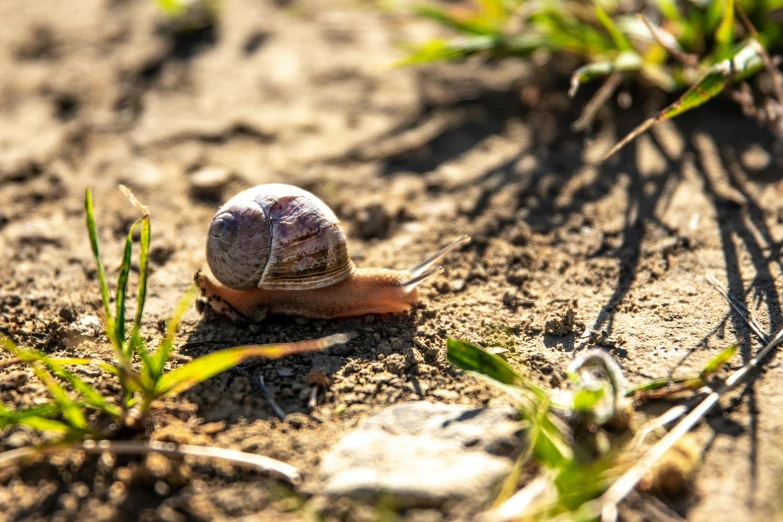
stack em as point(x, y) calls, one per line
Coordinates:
point(425, 269)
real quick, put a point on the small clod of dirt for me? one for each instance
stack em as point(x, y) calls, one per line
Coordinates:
point(562, 323)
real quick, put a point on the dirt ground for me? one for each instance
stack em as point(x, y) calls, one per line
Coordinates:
point(99, 92)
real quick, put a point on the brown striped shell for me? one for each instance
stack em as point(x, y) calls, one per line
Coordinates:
point(277, 237)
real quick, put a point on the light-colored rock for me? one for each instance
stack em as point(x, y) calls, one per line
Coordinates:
point(209, 182)
point(422, 454)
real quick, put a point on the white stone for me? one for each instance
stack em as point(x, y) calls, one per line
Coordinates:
point(422, 454)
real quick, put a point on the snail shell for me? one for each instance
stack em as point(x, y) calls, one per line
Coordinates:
point(277, 237)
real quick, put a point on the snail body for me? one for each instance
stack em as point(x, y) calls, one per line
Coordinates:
point(278, 249)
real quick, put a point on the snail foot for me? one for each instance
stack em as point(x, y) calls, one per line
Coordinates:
point(212, 301)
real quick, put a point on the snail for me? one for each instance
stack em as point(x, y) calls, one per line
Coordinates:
point(278, 249)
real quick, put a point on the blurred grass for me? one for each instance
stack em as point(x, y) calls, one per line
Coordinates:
point(567, 463)
point(660, 388)
point(696, 46)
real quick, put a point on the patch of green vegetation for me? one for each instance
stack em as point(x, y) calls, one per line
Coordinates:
point(702, 47)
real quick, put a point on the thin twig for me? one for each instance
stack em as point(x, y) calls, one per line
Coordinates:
point(599, 98)
point(273, 468)
point(270, 398)
point(777, 79)
point(607, 503)
point(520, 502)
point(688, 60)
point(740, 308)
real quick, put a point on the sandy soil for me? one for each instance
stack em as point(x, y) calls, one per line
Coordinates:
point(98, 92)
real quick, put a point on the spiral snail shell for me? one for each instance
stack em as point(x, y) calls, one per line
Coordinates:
point(276, 248)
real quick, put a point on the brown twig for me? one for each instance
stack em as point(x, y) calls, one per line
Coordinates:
point(599, 98)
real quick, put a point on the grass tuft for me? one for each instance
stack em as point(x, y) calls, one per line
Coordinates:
point(697, 47)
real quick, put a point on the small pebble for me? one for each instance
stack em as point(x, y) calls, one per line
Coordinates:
point(143, 174)
point(209, 182)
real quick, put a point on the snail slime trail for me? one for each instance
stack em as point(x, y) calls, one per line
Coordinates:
point(278, 249)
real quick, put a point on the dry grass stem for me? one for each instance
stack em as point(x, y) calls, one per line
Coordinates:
point(144, 209)
point(271, 467)
point(687, 60)
point(741, 309)
point(597, 101)
point(520, 502)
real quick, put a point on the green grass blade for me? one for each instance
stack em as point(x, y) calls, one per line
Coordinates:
point(10, 417)
point(144, 250)
point(57, 367)
point(625, 62)
point(29, 356)
point(122, 289)
point(439, 50)
point(158, 360)
point(96, 252)
point(618, 37)
point(658, 384)
point(476, 25)
point(551, 448)
point(91, 396)
point(719, 360)
point(71, 411)
point(471, 357)
point(45, 425)
point(76, 361)
point(670, 10)
point(745, 62)
point(724, 35)
point(586, 399)
point(667, 387)
point(496, 45)
point(210, 365)
point(172, 8)
point(36, 417)
point(8, 345)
